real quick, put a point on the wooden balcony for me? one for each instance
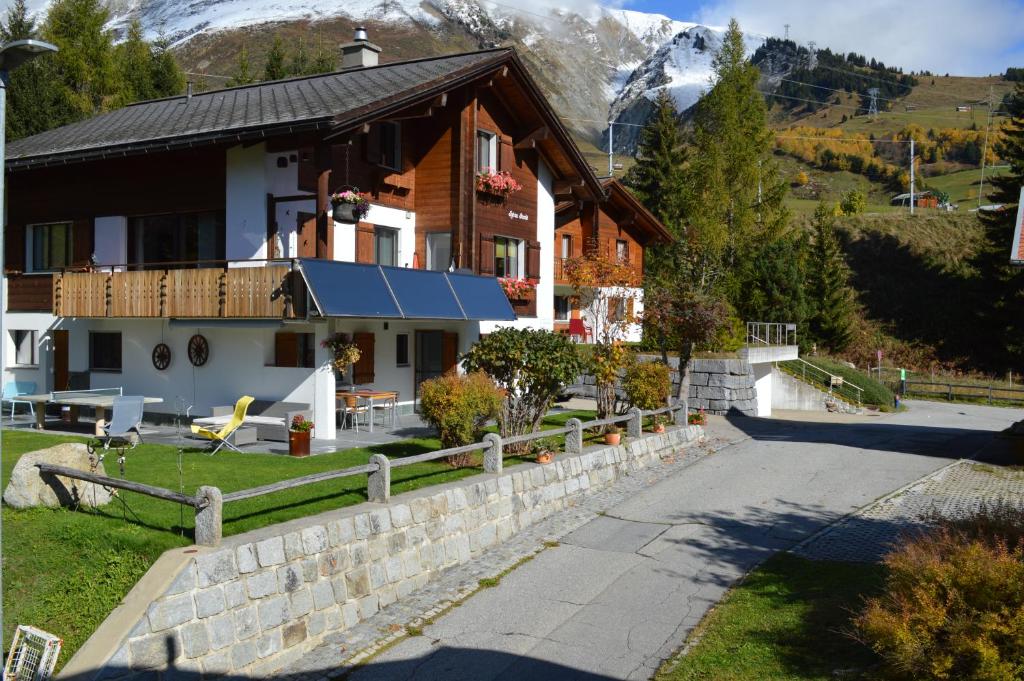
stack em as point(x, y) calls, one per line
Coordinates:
point(272, 291)
point(29, 292)
point(561, 278)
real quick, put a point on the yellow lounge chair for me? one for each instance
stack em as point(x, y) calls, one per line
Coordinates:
point(221, 436)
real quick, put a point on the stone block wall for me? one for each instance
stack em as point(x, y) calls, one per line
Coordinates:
point(260, 600)
point(720, 386)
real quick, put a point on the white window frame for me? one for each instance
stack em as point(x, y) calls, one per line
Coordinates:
point(396, 150)
point(30, 245)
point(396, 235)
point(520, 256)
point(566, 241)
point(431, 236)
point(491, 140)
point(33, 340)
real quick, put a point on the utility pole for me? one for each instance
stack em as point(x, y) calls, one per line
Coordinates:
point(611, 149)
point(911, 175)
point(787, 30)
point(984, 148)
point(873, 103)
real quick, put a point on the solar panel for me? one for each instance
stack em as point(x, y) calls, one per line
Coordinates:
point(423, 294)
point(1017, 247)
point(481, 297)
point(346, 289)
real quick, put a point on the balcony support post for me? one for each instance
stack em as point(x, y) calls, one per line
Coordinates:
point(324, 222)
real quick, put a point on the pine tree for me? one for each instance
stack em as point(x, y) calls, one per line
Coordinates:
point(18, 24)
point(84, 64)
point(275, 69)
point(773, 284)
point(828, 283)
point(133, 59)
point(243, 70)
point(657, 176)
point(300, 64)
point(168, 78)
point(733, 189)
point(324, 61)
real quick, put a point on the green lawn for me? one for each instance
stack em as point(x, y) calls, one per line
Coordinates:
point(787, 621)
point(64, 571)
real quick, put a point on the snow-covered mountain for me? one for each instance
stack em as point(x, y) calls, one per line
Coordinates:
point(594, 62)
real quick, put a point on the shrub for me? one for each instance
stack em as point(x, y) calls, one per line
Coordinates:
point(953, 603)
point(606, 360)
point(647, 384)
point(854, 202)
point(530, 367)
point(458, 407)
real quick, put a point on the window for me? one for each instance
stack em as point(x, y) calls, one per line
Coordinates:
point(622, 250)
point(51, 246)
point(391, 146)
point(506, 257)
point(562, 308)
point(25, 349)
point(294, 349)
point(385, 246)
point(439, 251)
point(486, 152)
point(402, 350)
point(616, 309)
point(566, 245)
point(189, 237)
point(104, 351)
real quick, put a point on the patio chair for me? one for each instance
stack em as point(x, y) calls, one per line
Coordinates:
point(578, 330)
point(125, 423)
point(220, 437)
point(13, 389)
point(388, 406)
point(352, 406)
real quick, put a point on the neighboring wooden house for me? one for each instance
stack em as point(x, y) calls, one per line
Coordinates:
point(620, 227)
point(209, 215)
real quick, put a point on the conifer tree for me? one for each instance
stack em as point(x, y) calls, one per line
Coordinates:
point(32, 104)
point(85, 71)
point(733, 189)
point(275, 69)
point(168, 78)
point(243, 70)
point(657, 176)
point(134, 68)
point(324, 61)
point(829, 288)
point(300, 64)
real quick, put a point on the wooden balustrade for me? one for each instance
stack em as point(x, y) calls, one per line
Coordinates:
point(229, 292)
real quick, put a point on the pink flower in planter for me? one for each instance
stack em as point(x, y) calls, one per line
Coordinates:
point(499, 183)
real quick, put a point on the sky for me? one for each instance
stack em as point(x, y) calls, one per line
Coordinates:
point(960, 37)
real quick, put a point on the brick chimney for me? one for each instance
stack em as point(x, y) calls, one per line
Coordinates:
point(359, 53)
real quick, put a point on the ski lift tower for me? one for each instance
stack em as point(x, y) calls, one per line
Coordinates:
point(873, 103)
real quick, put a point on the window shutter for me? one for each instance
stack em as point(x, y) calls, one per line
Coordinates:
point(486, 265)
point(613, 306)
point(533, 260)
point(450, 353)
point(286, 349)
point(81, 239)
point(364, 242)
point(362, 371)
point(14, 247)
point(506, 154)
point(373, 144)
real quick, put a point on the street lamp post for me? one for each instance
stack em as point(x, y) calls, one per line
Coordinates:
point(12, 55)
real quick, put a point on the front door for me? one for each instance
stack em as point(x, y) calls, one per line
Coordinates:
point(61, 374)
point(429, 357)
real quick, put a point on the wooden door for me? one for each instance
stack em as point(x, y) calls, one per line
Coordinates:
point(61, 374)
point(306, 235)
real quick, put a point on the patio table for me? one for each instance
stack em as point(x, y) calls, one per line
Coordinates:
point(370, 396)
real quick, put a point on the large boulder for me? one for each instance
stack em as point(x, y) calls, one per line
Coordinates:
point(29, 488)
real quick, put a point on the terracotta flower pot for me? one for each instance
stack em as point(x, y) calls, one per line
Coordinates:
point(660, 428)
point(545, 457)
point(298, 442)
point(612, 438)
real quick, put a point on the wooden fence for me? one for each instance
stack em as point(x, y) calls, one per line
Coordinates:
point(208, 501)
point(962, 391)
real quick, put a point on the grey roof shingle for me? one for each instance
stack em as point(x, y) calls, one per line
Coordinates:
point(325, 99)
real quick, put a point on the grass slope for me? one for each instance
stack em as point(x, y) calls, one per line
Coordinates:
point(785, 622)
point(874, 393)
point(64, 571)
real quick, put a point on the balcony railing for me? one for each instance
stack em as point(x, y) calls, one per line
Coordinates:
point(209, 289)
point(562, 278)
point(770, 333)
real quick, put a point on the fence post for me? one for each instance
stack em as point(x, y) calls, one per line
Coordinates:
point(378, 484)
point(635, 424)
point(949, 396)
point(493, 454)
point(574, 438)
point(990, 394)
point(208, 518)
point(679, 414)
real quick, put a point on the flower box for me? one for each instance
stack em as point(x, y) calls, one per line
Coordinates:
point(497, 183)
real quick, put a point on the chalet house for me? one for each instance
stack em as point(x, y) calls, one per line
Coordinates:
point(185, 248)
point(618, 227)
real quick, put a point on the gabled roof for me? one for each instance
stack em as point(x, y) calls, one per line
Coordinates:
point(619, 196)
point(249, 111)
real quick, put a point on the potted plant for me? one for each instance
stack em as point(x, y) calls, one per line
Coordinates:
point(349, 205)
point(345, 353)
point(545, 449)
point(659, 423)
point(612, 435)
point(298, 436)
point(497, 183)
point(698, 419)
point(517, 288)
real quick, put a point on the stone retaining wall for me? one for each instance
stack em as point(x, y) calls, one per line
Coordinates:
point(260, 600)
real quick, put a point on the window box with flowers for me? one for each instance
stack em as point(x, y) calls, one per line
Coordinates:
point(299, 431)
point(497, 183)
point(517, 288)
point(349, 205)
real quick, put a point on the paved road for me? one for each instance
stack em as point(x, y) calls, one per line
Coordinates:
point(621, 593)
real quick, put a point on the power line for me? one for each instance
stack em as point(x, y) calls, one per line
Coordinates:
point(892, 81)
point(839, 139)
point(858, 108)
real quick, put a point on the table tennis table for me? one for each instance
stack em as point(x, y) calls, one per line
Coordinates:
point(100, 399)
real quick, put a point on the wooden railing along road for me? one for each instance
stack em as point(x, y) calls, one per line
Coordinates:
point(961, 391)
point(269, 290)
point(208, 501)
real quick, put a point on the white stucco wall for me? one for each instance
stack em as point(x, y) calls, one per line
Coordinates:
point(402, 220)
point(763, 386)
point(245, 201)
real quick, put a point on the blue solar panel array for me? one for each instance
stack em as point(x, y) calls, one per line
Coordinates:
point(347, 289)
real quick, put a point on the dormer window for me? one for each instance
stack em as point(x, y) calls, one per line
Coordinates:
point(486, 152)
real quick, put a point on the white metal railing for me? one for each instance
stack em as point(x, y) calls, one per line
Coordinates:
point(815, 375)
point(771, 333)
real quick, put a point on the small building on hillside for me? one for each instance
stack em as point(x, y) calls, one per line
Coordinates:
point(924, 199)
